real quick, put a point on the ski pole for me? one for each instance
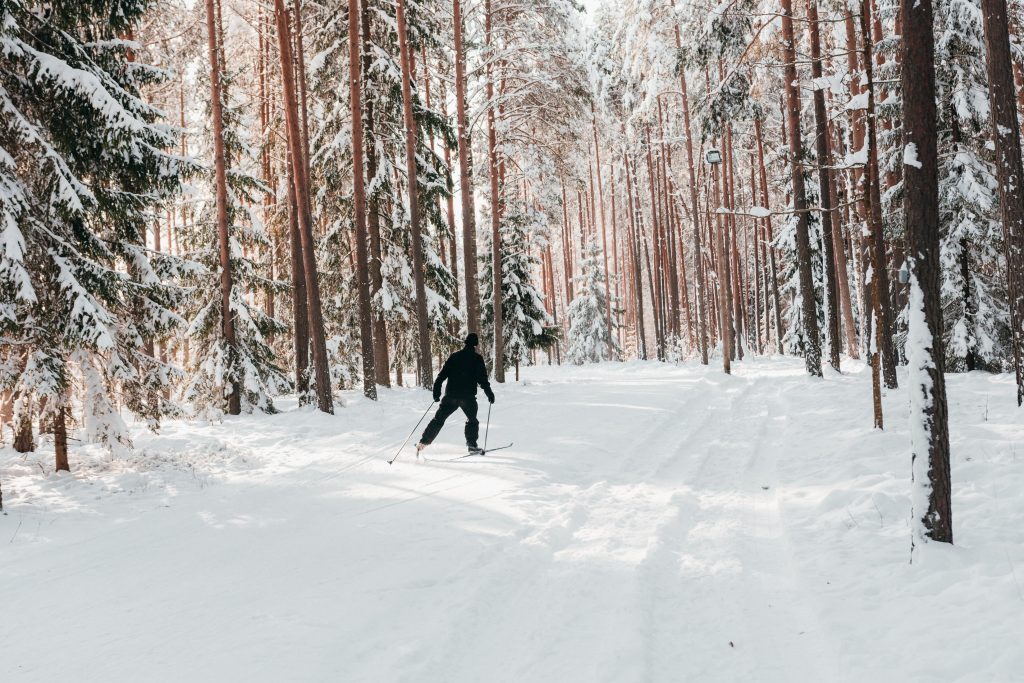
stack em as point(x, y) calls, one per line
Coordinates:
point(412, 432)
point(488, 429)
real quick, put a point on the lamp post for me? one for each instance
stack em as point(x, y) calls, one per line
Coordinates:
point(713, 157)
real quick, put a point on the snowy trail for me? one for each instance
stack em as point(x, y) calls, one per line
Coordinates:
point(652, 523)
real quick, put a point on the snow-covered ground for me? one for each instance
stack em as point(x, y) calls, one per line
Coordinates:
point(652, 523)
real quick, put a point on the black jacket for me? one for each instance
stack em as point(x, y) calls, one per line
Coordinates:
point(464, 370)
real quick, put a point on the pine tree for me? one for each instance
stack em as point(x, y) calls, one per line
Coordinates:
point(247, 363)
point(929, 422)
point(83, 167)
point(589, 340)
point(386, 192)
point(304, 247)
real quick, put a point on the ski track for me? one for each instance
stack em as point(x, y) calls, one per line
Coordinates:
point(636, 532)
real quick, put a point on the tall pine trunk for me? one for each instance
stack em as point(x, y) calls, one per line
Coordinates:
point(769, 238)
point(492, 153)
point(220, 169)
point(314, 310)
point(929, 428)
point(809, 314)
point(425, 361)
point(1006, 134)
point(466, 177)
point(698, 271)
point(724, 303)
point(381, 359)
point(604, 237)
point(873, 195)
point(359, 201)
point(638, 288)
point(300, 316)
point(824, 152)
point(450, 199)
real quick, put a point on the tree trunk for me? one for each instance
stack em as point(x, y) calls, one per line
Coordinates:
point(492, 153)
point(879, 266)
point(60, 439)
point(453, 254)
point(24, 441)
point(842, 272)
point(314, 310)
point(668, 231)
point(758, 265)
point(698, 272)
point(970, 309)
point(604, 238)
point(300, 315)
point(615, 244)
point(359, 204)
point(770, 238)
point(422, 324)
point(724, 303)
point(300, 84)
point(566, 247)
point(824, 151)
point(654, 278)
point(381, 359)
point(227, 317)
point(269, 198)
point(466, 178)
point(1010, 172)
point(734, 284)
point(929, 426)
point(6, 411)
point(637, 277)
point(809, 315)
point(856, 174)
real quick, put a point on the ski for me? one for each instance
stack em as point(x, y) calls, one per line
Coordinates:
point(482, 452)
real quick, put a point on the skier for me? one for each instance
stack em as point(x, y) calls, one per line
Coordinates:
point(463, 370)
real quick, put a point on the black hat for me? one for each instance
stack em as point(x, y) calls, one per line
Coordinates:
point(471, 339)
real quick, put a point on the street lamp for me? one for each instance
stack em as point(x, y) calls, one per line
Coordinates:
point(713, 156)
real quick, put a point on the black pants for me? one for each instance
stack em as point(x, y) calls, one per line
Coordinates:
point(448, 406)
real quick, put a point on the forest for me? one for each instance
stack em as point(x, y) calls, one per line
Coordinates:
point(264, 208)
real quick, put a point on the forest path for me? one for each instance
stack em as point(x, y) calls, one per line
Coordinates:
point(639, 530)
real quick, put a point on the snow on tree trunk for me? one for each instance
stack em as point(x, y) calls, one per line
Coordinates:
point(929, 428)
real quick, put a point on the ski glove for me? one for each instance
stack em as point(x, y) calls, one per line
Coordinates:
point(437, 397)
point(490, 396)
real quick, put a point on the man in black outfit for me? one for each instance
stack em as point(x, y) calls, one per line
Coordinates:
point(464, 370)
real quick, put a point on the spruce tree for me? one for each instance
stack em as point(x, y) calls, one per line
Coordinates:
point(589, 340)
point(528, 325)
point(84, 167)
point(974, 303)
